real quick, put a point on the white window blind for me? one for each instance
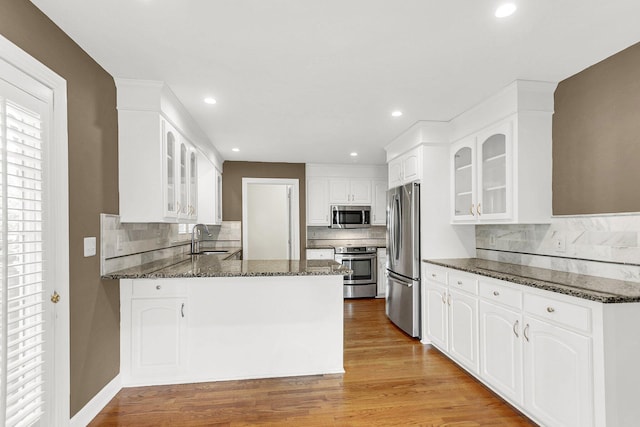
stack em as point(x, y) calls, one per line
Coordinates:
point(22, 317)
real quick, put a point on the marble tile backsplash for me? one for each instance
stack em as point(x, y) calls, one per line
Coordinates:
point(607, 246)
point(124, 245)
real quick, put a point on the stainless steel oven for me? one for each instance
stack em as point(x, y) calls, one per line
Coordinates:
point(361, 283)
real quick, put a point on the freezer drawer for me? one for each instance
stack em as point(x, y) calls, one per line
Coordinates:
point(403, 304)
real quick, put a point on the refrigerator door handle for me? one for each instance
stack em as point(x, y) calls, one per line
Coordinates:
point(407, 283)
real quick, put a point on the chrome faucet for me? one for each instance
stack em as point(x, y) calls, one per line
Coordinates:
point(195, 245)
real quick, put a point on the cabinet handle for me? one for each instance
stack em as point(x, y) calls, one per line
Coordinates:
point(433, 275)
point(496, 293)
point(478, 210)
point(178, 208)
point(158, 287)
point(471, 210)
point(182, 310)
point(444, 298)
point(525, 332)
point(515, 326)
point(449, 299)
point(459, 282)
point(551, 309)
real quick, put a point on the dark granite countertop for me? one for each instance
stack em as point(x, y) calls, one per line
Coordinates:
point(592, 288)
point(214, 266)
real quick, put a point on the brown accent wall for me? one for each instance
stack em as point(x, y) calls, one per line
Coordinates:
point(596, 138)
point(93, 188)
point(232, 174)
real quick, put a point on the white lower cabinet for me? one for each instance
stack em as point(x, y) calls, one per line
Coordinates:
point(558, 374)
point(159, 327)
point(382, 273)
point(451, 319)
point(562, 360)
point(501, 349)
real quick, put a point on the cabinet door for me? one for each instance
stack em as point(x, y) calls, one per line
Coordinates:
point(339, 191)
point(360, 190)
point(501, 350)
point(411, 166)
point(463, 329)
point(158, 329)
point(183, 180)
point(382, 270)
point(495, 182)
point(170, 187)
point(558, 375)
point(379, 203)
point(395, 173)
point(218, 197)
point(464, 181)
point(318, 201)
point(435, 315)
point(193, 185)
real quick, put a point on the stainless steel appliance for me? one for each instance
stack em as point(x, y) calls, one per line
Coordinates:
point(403, 260)
point(362, 261)
point(350, 216)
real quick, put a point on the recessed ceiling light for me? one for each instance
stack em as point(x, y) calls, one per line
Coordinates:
point(396, 114)
point(505, 10)
point(210, 100)
point(235, 149)
point(354, 154)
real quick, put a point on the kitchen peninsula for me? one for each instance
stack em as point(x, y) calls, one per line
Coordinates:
point(207, 319)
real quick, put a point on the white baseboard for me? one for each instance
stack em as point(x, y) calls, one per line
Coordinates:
point(95, 405)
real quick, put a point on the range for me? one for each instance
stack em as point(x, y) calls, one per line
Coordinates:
point(362, 261)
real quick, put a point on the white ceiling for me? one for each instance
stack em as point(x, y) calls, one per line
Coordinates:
point(313, 80)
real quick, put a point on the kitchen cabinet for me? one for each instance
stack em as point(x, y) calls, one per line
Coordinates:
point(379, 203)
point(482, 177)
point(560, 359)
point(381, 290)
point(209, 189)
point(318, 208)
point(406, 168)
point(350, 191)
point(154, 341)
point(320, 254)
point(451, 321)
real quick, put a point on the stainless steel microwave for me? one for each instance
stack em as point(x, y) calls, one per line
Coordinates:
point(350, 216)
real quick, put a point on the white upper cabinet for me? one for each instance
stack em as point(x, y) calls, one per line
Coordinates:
point(406, 168)
point(501, 158)
point(345, 185)
point(379, 203)
point(350, 191)
point(317, 201)
point(160, 153)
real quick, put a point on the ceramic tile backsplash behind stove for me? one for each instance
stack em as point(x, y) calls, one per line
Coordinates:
point(607, 245)
point(330, 237)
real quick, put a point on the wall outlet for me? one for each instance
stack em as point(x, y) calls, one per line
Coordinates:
point(559, 244)
point(118, 243)
point(492, 240)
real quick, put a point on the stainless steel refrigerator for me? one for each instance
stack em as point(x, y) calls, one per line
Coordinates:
point(403, 258)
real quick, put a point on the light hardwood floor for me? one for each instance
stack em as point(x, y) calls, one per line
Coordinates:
point(390, 380)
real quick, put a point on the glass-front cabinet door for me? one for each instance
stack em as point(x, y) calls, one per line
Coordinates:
point(494, 173)
point(193, 184)
point(464, 180)
point(183, 194)
point(169, 170)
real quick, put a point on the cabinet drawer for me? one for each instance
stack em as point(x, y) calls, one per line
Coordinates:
point(145, 288)
point(436, 274)
point(563, 313)
point(463, 282)
point(503, 294)
point(320, 253)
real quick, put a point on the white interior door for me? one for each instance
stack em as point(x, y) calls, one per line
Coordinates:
point(33, 246)
point(270, 220)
